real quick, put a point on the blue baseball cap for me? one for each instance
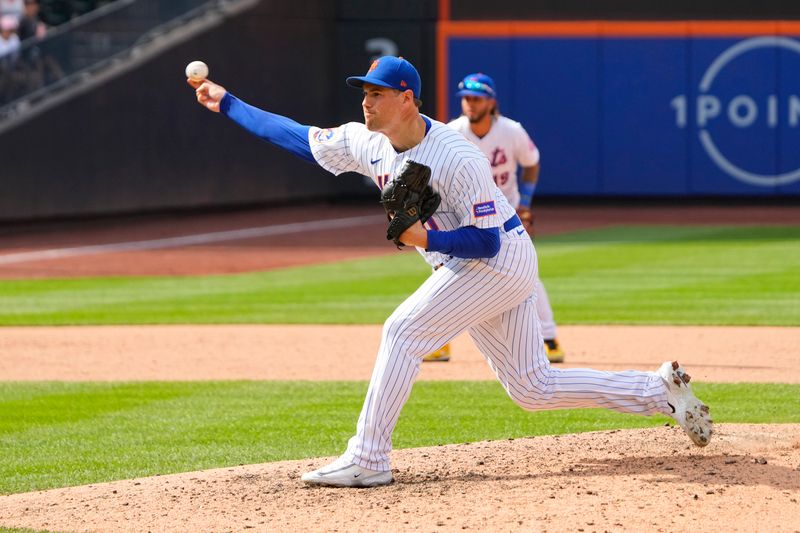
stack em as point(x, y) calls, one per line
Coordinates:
point(392, 72)
point(476, 85)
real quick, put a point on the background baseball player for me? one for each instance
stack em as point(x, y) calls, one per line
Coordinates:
point(508, 147)
point(483, 272)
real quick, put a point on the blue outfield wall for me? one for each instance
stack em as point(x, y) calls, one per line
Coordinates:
point(649, 116)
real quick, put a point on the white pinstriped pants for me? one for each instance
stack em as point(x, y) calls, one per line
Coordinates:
point(495, 300)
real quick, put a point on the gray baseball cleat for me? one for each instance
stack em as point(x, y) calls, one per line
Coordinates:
point(342, 473)
point(687, 410)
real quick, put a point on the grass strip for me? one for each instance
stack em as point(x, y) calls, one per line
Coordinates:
point(621, 275)
point(61, 434)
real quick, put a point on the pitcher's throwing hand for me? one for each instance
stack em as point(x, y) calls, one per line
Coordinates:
point(208, 93)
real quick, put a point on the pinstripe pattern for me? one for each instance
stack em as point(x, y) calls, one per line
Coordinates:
point(493, 298)
point(516, 354)
point(507, 146)
point(545, 311)
point(459, 172)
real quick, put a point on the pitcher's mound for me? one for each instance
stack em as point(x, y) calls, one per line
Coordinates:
point(747, 479)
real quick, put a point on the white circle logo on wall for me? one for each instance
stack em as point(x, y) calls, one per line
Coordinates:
point(742, 111)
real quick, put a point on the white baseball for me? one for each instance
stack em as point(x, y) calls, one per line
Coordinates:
point(197, 71)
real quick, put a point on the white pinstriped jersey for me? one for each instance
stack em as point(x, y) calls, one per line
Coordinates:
point(458, 172)
point(493, 298)
point(507, 146)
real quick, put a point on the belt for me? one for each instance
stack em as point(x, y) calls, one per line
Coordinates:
point(512, 223)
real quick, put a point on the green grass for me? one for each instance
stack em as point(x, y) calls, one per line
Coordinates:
point(622, 275)
point(350, 292)
point(62, 434)
point(675, 275)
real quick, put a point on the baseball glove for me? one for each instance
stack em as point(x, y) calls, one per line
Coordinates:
point(407, 199)
point(527, 218)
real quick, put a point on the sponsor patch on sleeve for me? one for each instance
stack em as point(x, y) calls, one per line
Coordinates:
point(484, 209)
point(323, 135)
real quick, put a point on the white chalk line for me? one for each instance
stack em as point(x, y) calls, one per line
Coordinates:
point(189, 240)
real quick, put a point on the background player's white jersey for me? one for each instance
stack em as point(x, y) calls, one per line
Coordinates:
point(507, 145)
point(458, 172)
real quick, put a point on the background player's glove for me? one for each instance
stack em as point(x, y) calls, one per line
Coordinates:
point(407, 199)
point(527, 218)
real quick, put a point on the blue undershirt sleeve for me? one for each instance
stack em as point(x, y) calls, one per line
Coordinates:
point(526, 189)
point(467, 242)
point(276, 129)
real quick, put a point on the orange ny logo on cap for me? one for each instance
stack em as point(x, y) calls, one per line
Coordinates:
point(373, 66)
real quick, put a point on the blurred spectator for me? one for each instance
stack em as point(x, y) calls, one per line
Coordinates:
point(12, 7)
point(9, 40)
point(9, 53)
point(30, 25)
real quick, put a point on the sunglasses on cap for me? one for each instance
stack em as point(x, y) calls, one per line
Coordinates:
point(472, 85)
